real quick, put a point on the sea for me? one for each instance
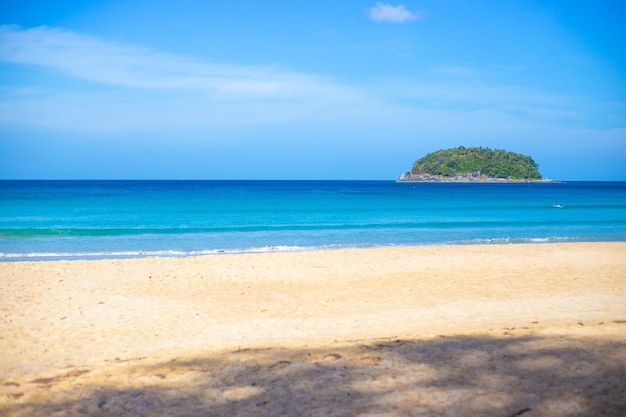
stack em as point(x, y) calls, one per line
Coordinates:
point(52, 220)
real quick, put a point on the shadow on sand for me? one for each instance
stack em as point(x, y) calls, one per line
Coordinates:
point(507, 376)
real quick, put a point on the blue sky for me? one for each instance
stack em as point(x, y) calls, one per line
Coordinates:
point(194, 89)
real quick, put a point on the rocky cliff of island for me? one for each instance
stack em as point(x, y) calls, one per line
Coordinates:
point(473, 164)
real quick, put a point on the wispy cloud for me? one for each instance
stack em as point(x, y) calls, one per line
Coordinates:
point(154, 88)
point(86, 57)
point(138, 88)
point(386, 13)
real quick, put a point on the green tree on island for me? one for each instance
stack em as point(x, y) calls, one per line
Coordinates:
point(477, 162)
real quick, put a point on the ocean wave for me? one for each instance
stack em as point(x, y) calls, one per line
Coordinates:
point(536, 240)
point(427, 223)
point(170, 253)
point(283, 248)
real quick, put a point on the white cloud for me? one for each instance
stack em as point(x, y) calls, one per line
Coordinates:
point(384, 12)
point(137, 87)
point(133, 88)
point(86, 57)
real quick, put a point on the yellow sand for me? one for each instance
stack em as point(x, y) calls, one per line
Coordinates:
point(500, 330)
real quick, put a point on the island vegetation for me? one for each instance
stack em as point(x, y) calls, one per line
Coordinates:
point(473, 164)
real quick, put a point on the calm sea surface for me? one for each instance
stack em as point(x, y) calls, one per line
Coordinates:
point(114, 219)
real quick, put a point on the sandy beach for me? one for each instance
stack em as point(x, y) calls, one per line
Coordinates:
point(497, 330)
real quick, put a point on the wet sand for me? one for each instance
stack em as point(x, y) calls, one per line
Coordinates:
point(498, 330)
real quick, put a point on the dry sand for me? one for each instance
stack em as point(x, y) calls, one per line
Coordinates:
point(501, 330)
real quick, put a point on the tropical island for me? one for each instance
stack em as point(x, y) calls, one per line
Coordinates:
point(473, 165)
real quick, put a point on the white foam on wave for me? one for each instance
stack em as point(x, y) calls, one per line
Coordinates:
point(164, 253)
point(505, 240)
point(267, 249)
point(81, 255)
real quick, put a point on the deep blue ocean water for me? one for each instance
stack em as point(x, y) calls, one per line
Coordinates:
point(114, 219)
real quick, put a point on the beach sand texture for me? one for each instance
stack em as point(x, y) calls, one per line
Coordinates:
point(495, 330)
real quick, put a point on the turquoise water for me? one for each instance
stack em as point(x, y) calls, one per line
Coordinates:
point(102, 219)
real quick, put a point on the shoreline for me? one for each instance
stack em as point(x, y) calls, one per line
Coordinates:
point(176, 254)
point(461, 179)
point(338, 332)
